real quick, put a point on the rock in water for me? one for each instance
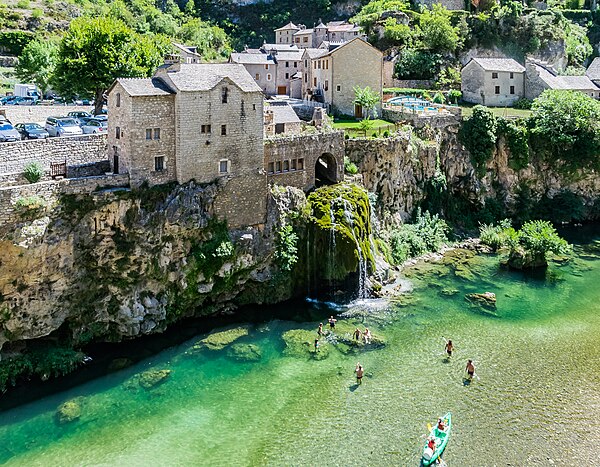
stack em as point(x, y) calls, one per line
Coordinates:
point(69, 411)
point(244, 352)
point(220, 340)
point(148, 379)
point(486, 300)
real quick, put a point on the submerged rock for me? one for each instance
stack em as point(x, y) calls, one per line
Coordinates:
point(485, 300)
point(119, 364)
point(301, 343)
point(449, 292)
point(244, 352)
point(69, 412)
point(220, 340)
point(148, 379)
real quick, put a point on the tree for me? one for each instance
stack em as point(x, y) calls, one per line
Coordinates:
point(567, 124)
point(38, 61)
point(531, 244)
point(212, 41)
point(479, 134)
point(367, 99)
point(96, 51)
point(438, 34)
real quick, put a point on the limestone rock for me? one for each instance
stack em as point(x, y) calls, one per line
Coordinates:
point(148, 379)
point(244, 352)
point(220, 340)
point(69, 412)
point(301, 343)
point(486, 300)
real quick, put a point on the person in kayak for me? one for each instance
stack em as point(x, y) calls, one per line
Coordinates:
point(440, 425)
point(332, 321)
point(449, 347)
point(356, 334)
point(359, 373)
point(470, 369)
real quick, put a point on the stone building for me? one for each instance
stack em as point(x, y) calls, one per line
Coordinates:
point(199, 122)
point(280, 118)
point(336, 32)
point(493, 81)
point(262, 67)
point(593, 71)
point(539, 77)
point(188, 53)
point(331, 75)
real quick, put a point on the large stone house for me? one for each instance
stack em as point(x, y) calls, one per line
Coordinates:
point(331, 75)
point(199, 122)
point(335, 32)
point(539, 77)
point(262, 67)
point(492, 81)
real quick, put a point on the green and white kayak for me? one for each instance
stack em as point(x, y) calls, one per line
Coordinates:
point(441, 440)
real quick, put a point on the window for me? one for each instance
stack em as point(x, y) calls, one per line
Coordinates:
point(315, 65)
point(278, 166)
point(286, 166)
point(512, 75)
point(315, 81)
point(271, 167)
point(305, 39)
point(294, 164)
point(295, 64)
point(306, 77)
point(148, 133)
point(157, 133)
point(301, 164)
point(159, 163)
point(205, 129)
point(266, 67)
point(287, 64)
point(356, 33)
point(268, 76)
point(305, 63)
point(224, 95)
point(326, 85)
point(287, 76)
point(279, 128)
point(497, 90)
point(327, 64)
point(224, 166)
point(494, 75)
point(118, 99)
point(257, 76)
point(338, 88)
point(118, 133)
point(512, 89)
point(319, 66)
point(253, 106)
point(223, 130)
point(297, 40)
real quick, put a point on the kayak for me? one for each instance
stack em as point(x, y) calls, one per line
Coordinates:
point(430, 456)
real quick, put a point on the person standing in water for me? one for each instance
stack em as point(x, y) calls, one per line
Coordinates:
point(332, 321)
point(449, 347)
point(320, 330)
point(470, 369)
point(359, 373)
point(356, 334)
point(367, 336)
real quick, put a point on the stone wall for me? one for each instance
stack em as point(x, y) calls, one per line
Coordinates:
point(39, 113)
point(51, 190)
point(410, 83)
point(75, 150)
point(446, 117)
point(285, 152)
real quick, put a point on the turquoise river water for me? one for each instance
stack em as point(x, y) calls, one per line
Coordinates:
point(535, 400)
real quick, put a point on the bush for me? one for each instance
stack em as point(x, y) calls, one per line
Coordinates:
point(417, 64)
point(454, 96)
point(286, 254)
point(33, 172)
point(350, 167)
point(478, 134)
point(30, 206)
point(15, 41)
point(517, 139)
point(523, 104)
point(494, 236)
point(23, 4)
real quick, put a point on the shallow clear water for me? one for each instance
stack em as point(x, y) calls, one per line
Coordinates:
point(535, 400)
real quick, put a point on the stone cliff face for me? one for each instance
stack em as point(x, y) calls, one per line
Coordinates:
point(401, 171)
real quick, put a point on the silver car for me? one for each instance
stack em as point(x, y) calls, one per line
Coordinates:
point(62, 126)
point(95, 126)
point(8, 132)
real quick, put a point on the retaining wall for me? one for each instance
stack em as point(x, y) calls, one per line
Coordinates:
point(419, 120)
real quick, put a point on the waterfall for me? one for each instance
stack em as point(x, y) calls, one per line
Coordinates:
point(362, 263)
point(332, 240)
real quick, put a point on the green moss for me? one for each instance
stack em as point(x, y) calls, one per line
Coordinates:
point(244, 352)
point(69, 412)
point(148, 379)
point(301, 343)
point(220, 340)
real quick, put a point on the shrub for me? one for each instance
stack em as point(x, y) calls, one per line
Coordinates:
point(33, 172)
point(517, 139)
point(349, 166)
point(454, 96)
point(417, 64)
point(478, 134)
point(286, 254)
point(494, 236)
point(37, 13)
point(23, 4)
point(524, 104)
point(30, 206)
point(386, 134)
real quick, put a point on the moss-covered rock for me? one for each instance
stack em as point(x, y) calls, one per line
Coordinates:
point(221, 339)
point(69, 412)
point(147, 379)
point(343, 334)
point(301, 343)
point(486, 300)
point(244, 352)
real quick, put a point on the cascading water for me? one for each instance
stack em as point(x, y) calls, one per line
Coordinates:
point(362, 264)
point(332, 239)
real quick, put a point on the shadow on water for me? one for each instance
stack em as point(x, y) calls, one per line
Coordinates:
point(354, 387)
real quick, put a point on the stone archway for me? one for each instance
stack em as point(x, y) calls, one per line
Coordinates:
point(326, 170)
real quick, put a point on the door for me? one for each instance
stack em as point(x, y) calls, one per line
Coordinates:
point(116, 163)
point(358, 111)
point(281, 90)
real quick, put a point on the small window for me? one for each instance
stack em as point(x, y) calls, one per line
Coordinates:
point(266, 67)
point(301, 164)
point(271, 167)
point(327, 64)
point(205, 129)
point(494, 75)
point(295, 64)
point(157, 133)
point(305, 63)
point(315, 65)
point(223, 130)
point(315, 82)
point(306, 77)
point(279, 128)
point(268, 76)
point(338, 88)
point(326, 85)
point(297, 40)
point(159, 163)
point(294, 161)
point(118, 133)
point(305, 39)
point(319, 66)
point(278, 166)
point(224, 95)
point(286, 166)
point(512, 89)
point(257, 76)
point(512, 75)
point(253, 106)
point(287, 76)
point(497, 90)
point(287, 64)
point(118, 99)
point(224, 166)
point(148, 133)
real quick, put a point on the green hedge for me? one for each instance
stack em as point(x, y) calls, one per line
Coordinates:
point(13, 42)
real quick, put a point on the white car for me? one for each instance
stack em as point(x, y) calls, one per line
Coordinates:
point(95, 126)
point(62, 126)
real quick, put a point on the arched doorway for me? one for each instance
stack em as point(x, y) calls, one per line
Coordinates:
point(326, 170)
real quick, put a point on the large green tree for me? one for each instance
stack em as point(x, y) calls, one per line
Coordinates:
point(37, 62)
point(438, 33)
point(96, 51)
point(367, 98)
point(212, 41)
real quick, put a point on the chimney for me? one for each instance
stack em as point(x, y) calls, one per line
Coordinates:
point(173, 62)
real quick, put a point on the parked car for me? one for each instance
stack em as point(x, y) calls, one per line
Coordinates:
point(95, 125)
point(8, 133)
point(31, 131)
point(81, 116)
point(62, 126)
point(6, 100)
point(26, 100)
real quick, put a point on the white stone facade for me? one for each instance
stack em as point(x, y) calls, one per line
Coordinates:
point(492, 81)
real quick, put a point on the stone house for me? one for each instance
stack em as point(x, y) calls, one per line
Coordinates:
point(331, 75)
point(188, 54)
point(539, 77)
point(493, 81)
point(334, 32)
point(593, 71)
point(280, 118)
point(199, 122)
point(262, 67)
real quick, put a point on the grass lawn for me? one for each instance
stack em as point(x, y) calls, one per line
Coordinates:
point(467, 111)
point(352, 127)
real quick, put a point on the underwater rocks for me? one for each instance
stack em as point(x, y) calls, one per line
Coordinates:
point(244, 353)
point(486, 300)
point(148, 379)
point(301, 343)
point(220, 340)
point(69, 412)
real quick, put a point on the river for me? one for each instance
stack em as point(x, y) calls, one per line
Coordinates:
point(534, 400)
